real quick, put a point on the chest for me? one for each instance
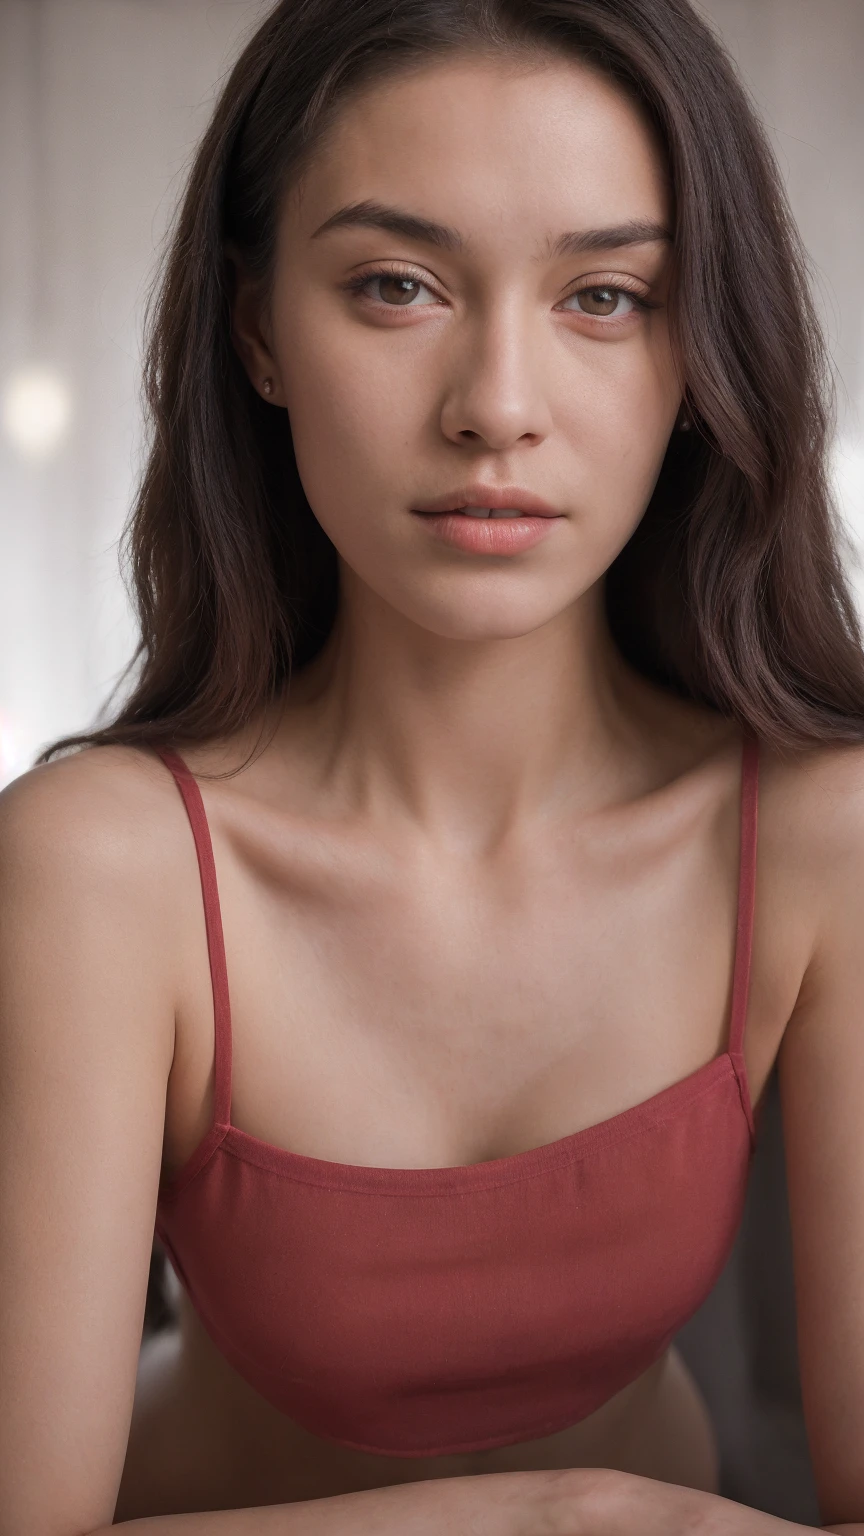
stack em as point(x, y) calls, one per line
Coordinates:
point(393, 1008)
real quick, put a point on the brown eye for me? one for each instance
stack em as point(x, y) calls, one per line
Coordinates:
point(599, 301)
point(603, 302)
point(398, 290)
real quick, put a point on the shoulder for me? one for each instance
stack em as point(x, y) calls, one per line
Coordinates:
point(98, 888)
point(811, 803)
point(810, 881)
point(90, 972)
point(104, 817)
point(814, 819)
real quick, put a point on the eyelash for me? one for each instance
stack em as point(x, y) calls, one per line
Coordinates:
point(361, 280)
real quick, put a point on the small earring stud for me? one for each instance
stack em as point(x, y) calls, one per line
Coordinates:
point(684, 422)
point(267, 386)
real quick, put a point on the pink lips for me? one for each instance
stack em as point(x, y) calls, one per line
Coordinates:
point(499, 497)
point(488, 535)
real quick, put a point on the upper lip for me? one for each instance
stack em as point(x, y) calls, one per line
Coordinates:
point(498, 497)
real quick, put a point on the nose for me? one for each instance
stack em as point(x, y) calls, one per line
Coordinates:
point(496, 396)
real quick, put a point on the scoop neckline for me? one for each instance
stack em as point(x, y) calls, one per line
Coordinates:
point(327, 1173)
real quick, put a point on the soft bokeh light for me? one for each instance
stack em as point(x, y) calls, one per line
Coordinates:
point(36, 411)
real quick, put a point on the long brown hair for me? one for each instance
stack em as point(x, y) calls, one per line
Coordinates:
point(731, 591)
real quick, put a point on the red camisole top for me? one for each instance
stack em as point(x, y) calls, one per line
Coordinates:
point(430, 1311)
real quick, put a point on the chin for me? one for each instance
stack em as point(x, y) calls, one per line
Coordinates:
point(491, 620)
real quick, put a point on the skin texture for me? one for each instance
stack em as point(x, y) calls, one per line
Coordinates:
point(495, 368)
point(468, 812)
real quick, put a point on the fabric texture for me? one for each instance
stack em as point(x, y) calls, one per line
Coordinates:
point(430, 1311)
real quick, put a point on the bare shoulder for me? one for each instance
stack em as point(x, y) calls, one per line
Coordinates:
point(812, 809)
point(811, 853)
point(107, 812)
point(91, 907)
point(96, 887)
point(814, 820)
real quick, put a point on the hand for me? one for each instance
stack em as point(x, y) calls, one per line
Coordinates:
point(599, 1502)
point(489, 1504)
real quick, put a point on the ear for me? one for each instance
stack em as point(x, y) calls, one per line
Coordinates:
point(249, 331)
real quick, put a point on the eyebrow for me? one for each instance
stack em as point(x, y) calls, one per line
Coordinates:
point(399, 221)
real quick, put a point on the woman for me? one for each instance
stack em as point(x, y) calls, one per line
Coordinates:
point(489, 599)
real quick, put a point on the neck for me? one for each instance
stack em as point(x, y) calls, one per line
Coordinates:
point(470, 739)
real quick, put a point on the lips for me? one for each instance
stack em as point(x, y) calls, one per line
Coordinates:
point(487, 512)
point(477, 500)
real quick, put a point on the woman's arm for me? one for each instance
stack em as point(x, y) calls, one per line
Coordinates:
point(589, 1502)
point(623, 1505)
point(821, 1071)
point(86, 1045)
point(493, 1504)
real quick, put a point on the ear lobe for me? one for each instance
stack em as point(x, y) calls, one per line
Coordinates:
point(247, 335)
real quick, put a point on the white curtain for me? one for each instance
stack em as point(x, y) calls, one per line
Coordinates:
point(101, 103)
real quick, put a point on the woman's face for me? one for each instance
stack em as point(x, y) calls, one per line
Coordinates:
point(492, 313)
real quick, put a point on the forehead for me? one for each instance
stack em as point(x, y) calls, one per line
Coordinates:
point(495, 147)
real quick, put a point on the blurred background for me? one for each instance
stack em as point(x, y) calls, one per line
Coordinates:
point(101, 103)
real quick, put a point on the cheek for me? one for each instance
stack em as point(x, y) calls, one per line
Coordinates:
point(619, 411)
point(355, 421)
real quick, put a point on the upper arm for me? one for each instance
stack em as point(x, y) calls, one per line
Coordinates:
point(86, 1043)
point(821, 1072)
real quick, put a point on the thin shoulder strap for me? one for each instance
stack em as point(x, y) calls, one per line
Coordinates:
point(746, 892)
point(188, 787)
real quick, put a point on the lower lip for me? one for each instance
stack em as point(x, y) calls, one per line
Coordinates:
point(488, 535)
